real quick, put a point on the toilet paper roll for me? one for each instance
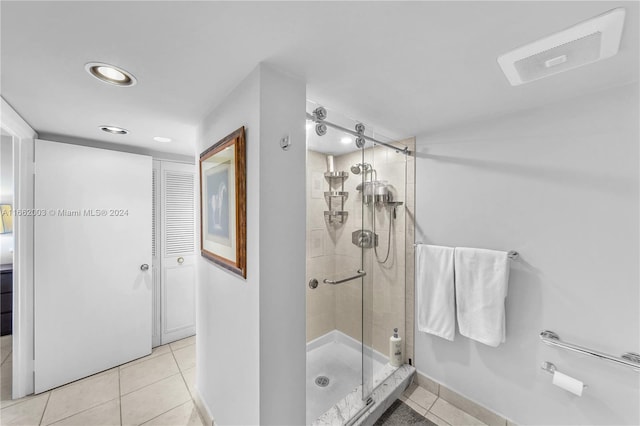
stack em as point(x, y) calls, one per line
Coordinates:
point(568, 383)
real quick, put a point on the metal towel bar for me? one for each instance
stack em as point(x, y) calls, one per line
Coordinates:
point(513, 255)
point(628, 359)
point(361, 273)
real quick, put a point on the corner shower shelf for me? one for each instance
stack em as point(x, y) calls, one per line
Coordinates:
point(337, 175)
point(336, 179)
point(337, 194)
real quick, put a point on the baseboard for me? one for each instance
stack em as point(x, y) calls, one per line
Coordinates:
point(471, 407)
point(202, 408)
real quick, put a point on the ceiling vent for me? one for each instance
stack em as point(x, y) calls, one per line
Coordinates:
point(584, 43)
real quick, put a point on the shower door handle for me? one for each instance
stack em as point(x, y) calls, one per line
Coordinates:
point(361, 274)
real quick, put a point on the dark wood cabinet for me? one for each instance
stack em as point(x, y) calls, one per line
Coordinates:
point(6, 301)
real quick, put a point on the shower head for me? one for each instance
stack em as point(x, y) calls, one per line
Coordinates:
point(358, 168)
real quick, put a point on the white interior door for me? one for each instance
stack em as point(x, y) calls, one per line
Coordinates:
point(178, 249)
point(92, 235)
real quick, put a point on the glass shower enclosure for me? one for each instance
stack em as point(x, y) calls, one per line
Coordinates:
point(356, 187)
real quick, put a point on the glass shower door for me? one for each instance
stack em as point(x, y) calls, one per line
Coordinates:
point(334, 259)
point(383, 287)
point(355, 263)
point(367, 195)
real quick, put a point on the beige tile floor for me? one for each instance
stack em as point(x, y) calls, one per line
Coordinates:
point(154, 390)
point(436, 409)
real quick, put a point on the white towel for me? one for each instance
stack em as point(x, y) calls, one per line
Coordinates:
point(435, 291)
point(482, 277)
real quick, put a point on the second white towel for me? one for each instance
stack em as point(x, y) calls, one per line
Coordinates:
point(482, 277)
point(435, 291)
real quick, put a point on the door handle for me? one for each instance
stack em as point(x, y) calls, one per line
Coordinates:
point(144, 267)
point(181, 260)
point(361, 274)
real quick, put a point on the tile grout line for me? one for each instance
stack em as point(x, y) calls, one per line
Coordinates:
point(162, 414)
point(457, 408)
point(185, 384)
point(82, 411)
point(120, 395)
point(432, 404)
point(105, 372)
point(436, 416)
point(176, 360)
point(420, 405)
point(19, 401)
point(7, 357)
point(147, 360)
point(46, 404)
point(139, 361)
point(152, 383)
point(149, 384)
point(181, 372)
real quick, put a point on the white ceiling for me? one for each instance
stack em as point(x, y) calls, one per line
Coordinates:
point(404, 67)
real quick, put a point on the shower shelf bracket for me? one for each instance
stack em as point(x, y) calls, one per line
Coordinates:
point(336, 214)
point(337, 194)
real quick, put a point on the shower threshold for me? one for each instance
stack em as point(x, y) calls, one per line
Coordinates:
point(351, 409)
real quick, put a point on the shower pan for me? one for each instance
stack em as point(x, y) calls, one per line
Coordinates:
point(355, 261)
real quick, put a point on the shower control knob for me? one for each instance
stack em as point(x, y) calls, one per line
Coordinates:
point(313, 283)
point(360, 142)
point(360, 128)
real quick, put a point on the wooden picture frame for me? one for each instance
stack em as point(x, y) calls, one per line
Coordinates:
point(223, 203)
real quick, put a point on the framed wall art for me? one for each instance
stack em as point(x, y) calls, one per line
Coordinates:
point(223, 203)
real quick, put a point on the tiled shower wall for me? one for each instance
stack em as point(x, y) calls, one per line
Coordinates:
point(321, 306)
point(331, 253)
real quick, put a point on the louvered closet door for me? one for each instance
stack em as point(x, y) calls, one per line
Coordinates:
point(156, 337)
point(178, 247)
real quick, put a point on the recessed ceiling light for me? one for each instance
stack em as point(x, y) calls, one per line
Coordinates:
point(346, 140)
point(161, 139)
point(110, 74)
point(115, 130)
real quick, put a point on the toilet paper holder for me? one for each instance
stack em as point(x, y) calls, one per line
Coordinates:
point(551, 368)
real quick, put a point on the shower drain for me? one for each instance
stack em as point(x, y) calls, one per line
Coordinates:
point(322, 381)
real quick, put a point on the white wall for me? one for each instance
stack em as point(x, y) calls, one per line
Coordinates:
point(282, 250)
point(227, 314)
point(251, 333)
point(560, 185)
